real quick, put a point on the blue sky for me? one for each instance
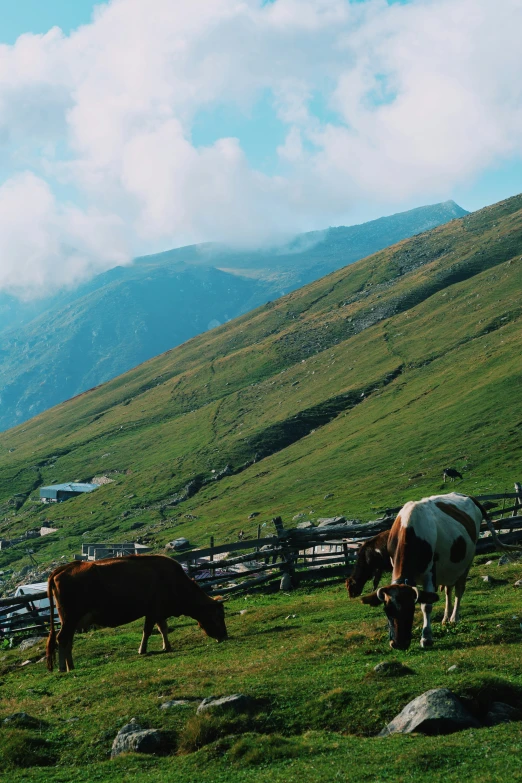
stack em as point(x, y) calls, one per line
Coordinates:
point(38, 16)
point(162, 122)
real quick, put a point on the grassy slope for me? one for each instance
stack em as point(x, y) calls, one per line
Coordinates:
point(316, 717)
point(439, 314)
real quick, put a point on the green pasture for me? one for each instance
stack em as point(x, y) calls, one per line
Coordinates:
point(307, 659)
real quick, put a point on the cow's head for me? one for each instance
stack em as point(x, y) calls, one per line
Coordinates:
point(399, 606)
point(212, 620)
point(354, 587)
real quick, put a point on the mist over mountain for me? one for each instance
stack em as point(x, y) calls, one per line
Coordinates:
point(56, 348)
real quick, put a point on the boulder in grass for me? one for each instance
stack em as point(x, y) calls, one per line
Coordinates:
point(437, 711)
point(31, 642)
point(179, 544)
point(392, 669)
point(132, 738)
point(331, 521)
point(236, 701)
point(499, 712)
point(22, 720)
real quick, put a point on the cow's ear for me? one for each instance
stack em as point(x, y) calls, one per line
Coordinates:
point(426, 597)
point(372, 599)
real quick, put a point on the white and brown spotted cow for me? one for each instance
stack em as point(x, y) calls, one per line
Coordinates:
point(432, 542)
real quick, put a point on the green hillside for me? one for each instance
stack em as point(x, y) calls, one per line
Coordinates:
point(361, 386)
point(54, 348)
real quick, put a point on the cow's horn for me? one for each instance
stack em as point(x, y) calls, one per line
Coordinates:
point(416, 594)
point(380, 595)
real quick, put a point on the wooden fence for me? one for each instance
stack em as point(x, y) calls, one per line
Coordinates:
point(284, 560)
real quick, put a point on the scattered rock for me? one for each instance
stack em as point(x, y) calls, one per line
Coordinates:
point(237, 702)
point(490, 580)
point(298, 516)
point(243, 611)
point(21, 719)
point(328, 495)
point(26, 663)
point(392, 669)
point(132, 738)
point(490, 562)
point(125, 514)
point(254, 514)
point(518, 583)
point(168, 705)
point(178, 544)
point(437, 711)
point(31, 642)
point(453, 668)
point(328, 521)
point(304, 525)
point(499, 712)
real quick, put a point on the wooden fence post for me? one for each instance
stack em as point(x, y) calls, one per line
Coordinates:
point(518, 499)
point(211, 556)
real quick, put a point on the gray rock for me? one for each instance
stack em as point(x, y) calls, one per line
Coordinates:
point(254, 514)
point(518, 583)
point(437, 711)
point(329, 521)
point(132, 738)
point(453, 668)
point(178, 544)
point(21, 719)
point(31, 642)
point(168, 705)
point(499, 712)
point(304, 525)
point(236, 701)
point(298, 516)
point(490, 580)
point(328, 495)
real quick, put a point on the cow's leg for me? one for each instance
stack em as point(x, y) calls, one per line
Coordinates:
point(377, 578)
point(65, 640)
point(426, 609)
point(460, 586)
point(164, 631)
point(447, 610)
point(148, 625)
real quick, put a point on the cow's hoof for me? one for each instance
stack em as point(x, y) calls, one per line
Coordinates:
point(426, 643)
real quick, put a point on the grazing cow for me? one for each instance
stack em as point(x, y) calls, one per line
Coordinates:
point(432, 542)
point(451, 473)
point(372, 561)
point(120, 590)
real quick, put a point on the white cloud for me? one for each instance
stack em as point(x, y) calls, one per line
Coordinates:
point(421, 98)
point(45, 246)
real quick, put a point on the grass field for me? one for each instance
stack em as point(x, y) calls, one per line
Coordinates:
point(318, 701)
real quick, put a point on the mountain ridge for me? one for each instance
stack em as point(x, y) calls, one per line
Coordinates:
point(129, 314)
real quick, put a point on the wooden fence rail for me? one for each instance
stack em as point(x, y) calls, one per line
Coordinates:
point(285, 559)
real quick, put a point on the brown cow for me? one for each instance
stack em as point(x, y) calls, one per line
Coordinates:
point(372, 561)
point(120, 590)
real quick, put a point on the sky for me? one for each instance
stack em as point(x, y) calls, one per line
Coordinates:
point(133, 126)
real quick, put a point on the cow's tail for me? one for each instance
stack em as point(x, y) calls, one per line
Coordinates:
point(508, 549)
point(51, 641)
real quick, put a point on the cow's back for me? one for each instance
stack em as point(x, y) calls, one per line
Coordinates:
point(440, 530)
point(116, 591)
